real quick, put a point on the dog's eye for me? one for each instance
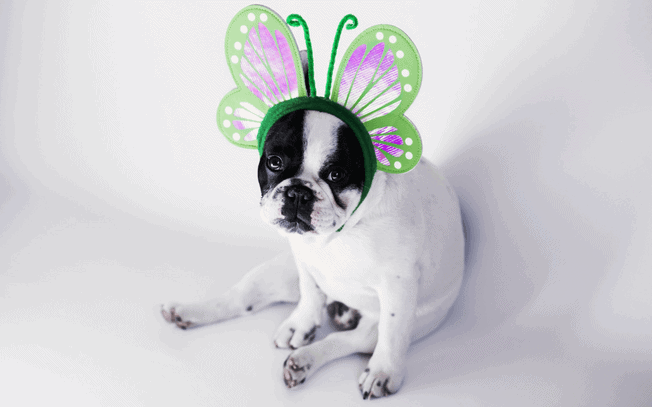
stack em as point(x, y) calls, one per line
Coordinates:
point(274, 163)
point(336, 175)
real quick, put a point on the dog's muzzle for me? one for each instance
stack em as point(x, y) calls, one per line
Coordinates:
point(297, 209)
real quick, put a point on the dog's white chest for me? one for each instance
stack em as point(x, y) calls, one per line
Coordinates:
point(343, 269)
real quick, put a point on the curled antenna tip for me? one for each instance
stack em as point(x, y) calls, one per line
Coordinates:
point(294, 20)
point(354, 22)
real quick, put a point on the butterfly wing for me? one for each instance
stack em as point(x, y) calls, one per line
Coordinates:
point(239, 116)
point(378, 79)
point(396, 143)
point(264, 61)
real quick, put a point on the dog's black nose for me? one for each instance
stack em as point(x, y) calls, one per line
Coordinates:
point(299, 194)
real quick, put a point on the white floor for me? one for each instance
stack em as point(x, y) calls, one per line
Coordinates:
point(117, 194)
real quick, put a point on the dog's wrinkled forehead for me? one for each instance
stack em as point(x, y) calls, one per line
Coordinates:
point(310, 144)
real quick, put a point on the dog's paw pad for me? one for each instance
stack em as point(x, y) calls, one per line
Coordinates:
point(296, 368)
point(172, 314)
point(293, 336)
point(378, 383)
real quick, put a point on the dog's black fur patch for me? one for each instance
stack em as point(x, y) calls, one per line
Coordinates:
point(343, 317)
point(348, 157)
point(310, 335)
point(285, 140)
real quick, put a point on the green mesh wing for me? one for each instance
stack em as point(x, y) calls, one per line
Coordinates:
point(378, 79)
point(264, 61)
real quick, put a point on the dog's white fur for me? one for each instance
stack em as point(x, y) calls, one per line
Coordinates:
point(398, 261)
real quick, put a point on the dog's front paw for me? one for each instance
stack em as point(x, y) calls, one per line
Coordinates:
point(380, 381)
point(294, 333)
point(179, 315)
point(296, 367)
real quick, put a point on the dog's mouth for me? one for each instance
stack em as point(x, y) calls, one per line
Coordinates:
point(295, 225)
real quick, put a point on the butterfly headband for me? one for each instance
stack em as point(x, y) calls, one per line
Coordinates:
point(377, 80)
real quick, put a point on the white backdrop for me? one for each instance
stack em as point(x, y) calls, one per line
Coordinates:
point(117, 193)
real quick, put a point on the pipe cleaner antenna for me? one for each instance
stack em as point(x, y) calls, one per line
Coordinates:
point(353, 24)
point(296, 20)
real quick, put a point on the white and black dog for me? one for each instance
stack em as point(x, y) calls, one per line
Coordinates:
point(389, 276)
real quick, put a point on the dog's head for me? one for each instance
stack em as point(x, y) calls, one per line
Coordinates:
point(311, 173)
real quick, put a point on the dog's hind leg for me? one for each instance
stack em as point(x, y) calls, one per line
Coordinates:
point(276, 280)
point(304, 361)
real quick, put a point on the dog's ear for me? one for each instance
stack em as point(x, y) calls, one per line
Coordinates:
point(304, 64)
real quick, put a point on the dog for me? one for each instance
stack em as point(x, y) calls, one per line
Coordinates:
point(388, 270)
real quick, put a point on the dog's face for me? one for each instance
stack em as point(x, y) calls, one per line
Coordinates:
point(311, 173)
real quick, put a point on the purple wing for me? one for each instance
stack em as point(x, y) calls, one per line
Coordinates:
point(274, 60)
point(251, 136)
point(385, 80)
point(388, 140)
point(269, 70)
point(252, 86)
point(380, 157)
point(384, 110)
point(249, 119)
point(370, 85)
point(349, 73)
point(288, 63)
point(260, 74)
point(365, 74)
